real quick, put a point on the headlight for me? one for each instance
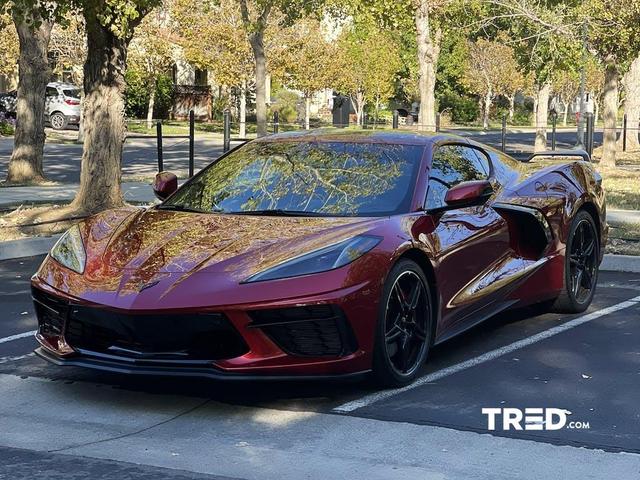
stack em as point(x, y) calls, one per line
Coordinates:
point(328, 258)
point(69, 250)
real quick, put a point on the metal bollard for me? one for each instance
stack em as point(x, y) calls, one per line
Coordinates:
point(395, 120)
point(554, 121)
point(504, 133)
point(191, 141)
point(624, 133)
point(159, 141)
point(226, 131)
point(276, 122)
point(589, 142)
point(437, 122)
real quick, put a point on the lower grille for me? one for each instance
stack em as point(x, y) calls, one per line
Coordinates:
point(51, 312)
point(162, 336)
point(314, 330)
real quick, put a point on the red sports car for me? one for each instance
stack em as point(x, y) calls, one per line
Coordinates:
point(325, 253)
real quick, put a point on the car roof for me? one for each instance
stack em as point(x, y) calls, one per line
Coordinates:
point(62, 84)
point(363, 136)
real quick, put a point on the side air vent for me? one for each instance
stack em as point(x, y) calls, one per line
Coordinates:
point(528, 228)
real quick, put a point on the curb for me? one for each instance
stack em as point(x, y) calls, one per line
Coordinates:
point(620, 263)
point(27, 247)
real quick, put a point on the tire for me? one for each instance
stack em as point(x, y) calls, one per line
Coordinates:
point(58, 121)
point(581, 255)
point(403, 331)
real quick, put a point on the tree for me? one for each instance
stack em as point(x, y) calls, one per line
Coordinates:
point(110, 25)
point(614, 52)
point(310, 64)
point(631, 84)
point(256, 16)
point(544, 42)
point(485, 73)
point(373, 63)
point(151, 54)
point(9, 46)
point(566, 87)
point(33, 21)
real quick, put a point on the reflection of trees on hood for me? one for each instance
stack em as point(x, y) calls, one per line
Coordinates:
point(318, 177)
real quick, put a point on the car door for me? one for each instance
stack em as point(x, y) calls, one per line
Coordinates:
point(466, 242)
point(51, 97)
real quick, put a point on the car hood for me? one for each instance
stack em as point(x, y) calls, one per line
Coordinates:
point(160, 241)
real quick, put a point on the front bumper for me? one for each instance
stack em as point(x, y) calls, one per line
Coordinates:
point(265, 356)
point(168, 370)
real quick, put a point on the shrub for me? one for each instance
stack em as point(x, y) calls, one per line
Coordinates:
point(137, 96)
point(7, 125)
point(461, 108)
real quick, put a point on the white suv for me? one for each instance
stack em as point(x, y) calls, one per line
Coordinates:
point(62, 105)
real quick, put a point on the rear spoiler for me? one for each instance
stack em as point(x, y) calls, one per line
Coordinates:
point(562, 153)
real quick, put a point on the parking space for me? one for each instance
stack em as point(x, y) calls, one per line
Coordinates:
point(591, 369)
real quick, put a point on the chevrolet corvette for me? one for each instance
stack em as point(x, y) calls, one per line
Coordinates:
point(321, 254)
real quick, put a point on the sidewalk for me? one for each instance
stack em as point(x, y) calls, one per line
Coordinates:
point(15, 196)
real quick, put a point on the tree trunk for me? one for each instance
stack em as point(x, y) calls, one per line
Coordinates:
point(257, 44)
point(541, 117)
point(25, 165)
point(565, 113)
point(512, 107)
point(152, 102)
point(596, 111)
point(631, 82)
point(535, 110)
point(428, 53)
point(104, 87)
point(487, 109)
point(81, 121)
point(358, 102)
point(307, 111)
point(610, 107)
point(243, 110)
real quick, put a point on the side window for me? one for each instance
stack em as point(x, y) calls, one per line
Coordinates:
point(51, 92)
point(451, 165)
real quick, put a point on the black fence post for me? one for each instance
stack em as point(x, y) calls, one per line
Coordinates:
point(159, 141)
point(624, 133)
point(554, 121)
point(226, 131)
point(276, 122)
point(504, 133)
point(395, 119)
point(589, 142)
point(192, 131)
point(437, 121)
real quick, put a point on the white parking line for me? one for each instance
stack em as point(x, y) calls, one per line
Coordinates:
point(13, 359)
point(493, 354)
point(17, 336)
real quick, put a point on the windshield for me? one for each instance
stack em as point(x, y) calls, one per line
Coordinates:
point(306, 178)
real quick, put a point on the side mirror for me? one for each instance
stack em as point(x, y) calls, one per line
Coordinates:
point(468, 193)
point(165, 184)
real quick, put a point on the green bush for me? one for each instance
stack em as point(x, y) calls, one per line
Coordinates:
point(137, 96)
point(462, 109)
point(286, 104)
point(7, 126)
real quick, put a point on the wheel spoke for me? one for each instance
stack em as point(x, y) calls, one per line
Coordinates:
point(419, 332)
point(393, 334)
point(404, 354)
point(588, 250)
point(577, 280)
point(414, 297)
point(399, 295)
point(586, 281)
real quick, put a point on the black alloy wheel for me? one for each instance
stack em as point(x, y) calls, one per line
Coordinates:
point(582, 258)
point(404, 331)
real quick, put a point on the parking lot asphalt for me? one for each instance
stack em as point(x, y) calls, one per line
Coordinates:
point(589, 365)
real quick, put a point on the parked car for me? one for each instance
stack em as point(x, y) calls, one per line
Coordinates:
point(62, 105)
point(8, 104)
point(61, 108)
point(321, 253)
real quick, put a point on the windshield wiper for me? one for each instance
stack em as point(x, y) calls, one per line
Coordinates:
point(180, 208)
point(277, 212)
